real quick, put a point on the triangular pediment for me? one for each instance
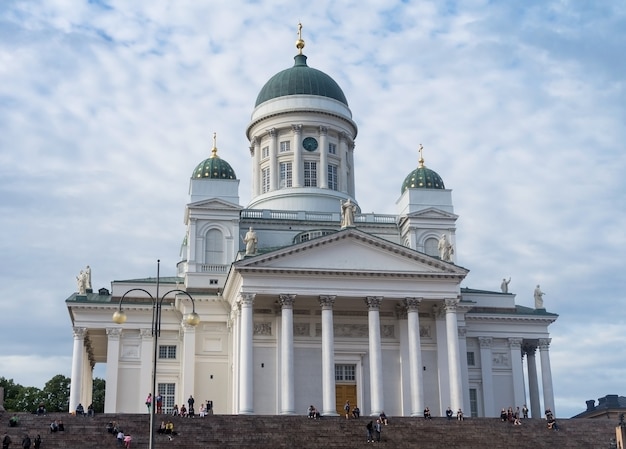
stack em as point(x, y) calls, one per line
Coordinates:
point(215, 204)
point(432, 212)
point(351, 252)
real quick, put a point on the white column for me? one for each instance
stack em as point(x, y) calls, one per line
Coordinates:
point(235, 318)
point(188, 363)
point(78, 352)
point(454, 362)
point(342, 171)
point(464, 369)
point(191, 246)
point(256, 164)
point(146, 367)
point(486, 372)
point(112, 369)
point(273, 159)
point(415, 356)
point(533, 382)
point(350, 170)
point(517, 368)
point(297, 155)
point(286, 352)
point(375, 355)
point(443, 373)
point(546, 374)
point(328, 357)
point(246, 359)
point(323, 171)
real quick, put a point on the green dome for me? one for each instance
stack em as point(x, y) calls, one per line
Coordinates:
point(422, 178)
point(300, 80)
point(214, 168)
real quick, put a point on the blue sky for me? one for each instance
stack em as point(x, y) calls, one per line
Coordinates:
point(107, 107)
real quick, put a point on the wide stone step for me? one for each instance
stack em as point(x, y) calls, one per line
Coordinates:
point(275, 432)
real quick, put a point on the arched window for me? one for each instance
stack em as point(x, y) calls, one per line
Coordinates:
point(431, 247)
point(214, 247)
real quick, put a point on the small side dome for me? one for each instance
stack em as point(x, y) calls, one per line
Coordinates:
point(214, 167)
point(422, 177)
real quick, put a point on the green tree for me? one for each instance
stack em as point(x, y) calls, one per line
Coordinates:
point(28, 399)
point(99, 386)
point(56, 394)
point(11, 393)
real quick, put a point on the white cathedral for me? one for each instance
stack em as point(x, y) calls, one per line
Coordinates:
point(302, 299)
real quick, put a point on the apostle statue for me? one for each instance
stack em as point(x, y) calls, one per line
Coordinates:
point(81, 280)
point(348, 208)
point(251, 241)
point(445, 249)
point(504, 286)
point(88, 278)
point(539, 298)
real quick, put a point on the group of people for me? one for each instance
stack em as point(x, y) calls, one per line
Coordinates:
point(374, 429)
point(514, 416)
point(57, 426)
point(551, 420)
point(450, 414)
point(167, 428)
point(122, 440)
point(206, 408)
point(355, 412)
point(80, 410)
point(313, 413)
point(26, 441)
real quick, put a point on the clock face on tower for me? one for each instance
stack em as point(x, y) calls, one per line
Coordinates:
point(309, 144)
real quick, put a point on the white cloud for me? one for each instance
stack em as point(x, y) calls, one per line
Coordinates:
point(106, 108)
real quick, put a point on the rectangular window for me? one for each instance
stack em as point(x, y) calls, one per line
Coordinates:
point(332, 177)
point(345, 373)
point(265, 152)
point(285, 175)
point(168, 393)
point(167, 351)
point(471, 360)
point(310, 174)
point(285, 146)
point(265, 180)
point(332, 148)
point(473, 394)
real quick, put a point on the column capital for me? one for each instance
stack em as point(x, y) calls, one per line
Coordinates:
point(145, 333)
point(296, 129)
point(286, 300)
point(327, 301)
point(544, 344)
point(323, 131)
point(451, 304)
point(271, 132)
point(515, 342)
point(373, 302)
point(114, 333)
point(79, 332)
point(462, 331)
point(246, 299)
point(412, 304)
point(485, 342)
point(187, 327)
point(529, 349)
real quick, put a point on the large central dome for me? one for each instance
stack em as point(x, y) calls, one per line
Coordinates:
point(301, 80)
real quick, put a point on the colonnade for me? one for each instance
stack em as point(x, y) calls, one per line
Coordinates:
point(327, 302)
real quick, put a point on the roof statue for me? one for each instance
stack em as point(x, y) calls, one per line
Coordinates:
point(504, 286)
point(348, 208)
point(539, 298)
point(445, 249)
point(251, 241)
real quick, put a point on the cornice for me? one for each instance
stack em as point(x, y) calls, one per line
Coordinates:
point(510, 317)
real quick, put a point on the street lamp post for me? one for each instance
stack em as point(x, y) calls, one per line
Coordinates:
point(192, 318)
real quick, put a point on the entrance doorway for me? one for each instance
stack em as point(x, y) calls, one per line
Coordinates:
point(345, 393)
point(345, 387)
